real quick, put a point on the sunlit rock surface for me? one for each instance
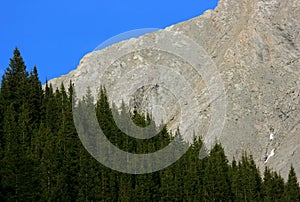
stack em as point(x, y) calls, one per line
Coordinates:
point(255, 45)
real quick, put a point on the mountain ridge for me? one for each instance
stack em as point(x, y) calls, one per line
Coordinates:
point(255, 47)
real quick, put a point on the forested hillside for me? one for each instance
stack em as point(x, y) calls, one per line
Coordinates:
point(42, 158)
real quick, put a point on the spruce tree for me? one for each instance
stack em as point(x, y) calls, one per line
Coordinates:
point(246, 184)
point(292, 191)
point(35, 97)
point(216, 178)
point(14, 82)
point(272, 187)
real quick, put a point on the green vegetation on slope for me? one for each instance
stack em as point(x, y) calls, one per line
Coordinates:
point(42, 158)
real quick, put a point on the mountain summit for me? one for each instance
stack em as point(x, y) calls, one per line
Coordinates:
point(255, 47)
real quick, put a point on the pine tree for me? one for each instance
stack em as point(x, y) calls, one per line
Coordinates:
point(272, 187)
point(14, 82)
point(292, 191)
point(9, 167)
point(13, 89)
point(34, 97)
point(216, 179)
point(246, 182)
point(267, 186)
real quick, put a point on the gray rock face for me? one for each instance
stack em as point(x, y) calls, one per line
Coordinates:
point(255, 47)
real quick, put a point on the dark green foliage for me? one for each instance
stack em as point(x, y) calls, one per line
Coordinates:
point(246, 180)
point(273, 186)
point(292, 190)
point(216, 181)
point(42, 158)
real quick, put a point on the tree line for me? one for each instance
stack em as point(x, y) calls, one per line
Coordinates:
point(42, 158)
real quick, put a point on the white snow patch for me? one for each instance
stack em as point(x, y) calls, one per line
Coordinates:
point(271, 136)
point(271, 154)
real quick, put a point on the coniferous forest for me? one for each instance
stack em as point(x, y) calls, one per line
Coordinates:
point(43, 159)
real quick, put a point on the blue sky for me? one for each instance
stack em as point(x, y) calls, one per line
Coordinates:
point(54, 35)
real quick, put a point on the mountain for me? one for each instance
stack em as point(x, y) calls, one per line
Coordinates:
point(231, 75)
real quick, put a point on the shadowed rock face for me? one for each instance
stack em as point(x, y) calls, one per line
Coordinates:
point(255, 46)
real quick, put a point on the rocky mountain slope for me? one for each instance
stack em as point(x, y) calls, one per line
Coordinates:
point(255, 47)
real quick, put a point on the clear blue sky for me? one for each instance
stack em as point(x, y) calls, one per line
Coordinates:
point(54, 35)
